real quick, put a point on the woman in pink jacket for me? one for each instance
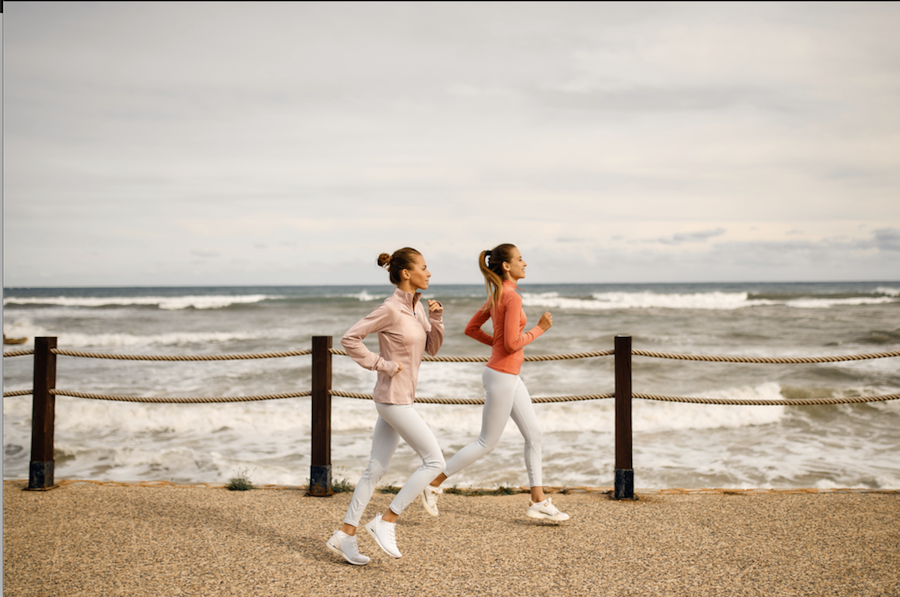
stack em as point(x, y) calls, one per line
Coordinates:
point(506, 394)
point(405, 332)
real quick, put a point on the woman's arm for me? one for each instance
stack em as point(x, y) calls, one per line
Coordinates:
point(379, 319)
point(512, 340)
point(435, 338)
point(473, 329)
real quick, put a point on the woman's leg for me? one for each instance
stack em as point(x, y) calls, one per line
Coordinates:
point(415, 431)
point(526, 420)
point(498, 403)
point(384, 444)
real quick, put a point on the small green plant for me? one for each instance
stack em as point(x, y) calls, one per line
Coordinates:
point(501, 490)
point(342, 485)
point(240, 482)
point(389, 489)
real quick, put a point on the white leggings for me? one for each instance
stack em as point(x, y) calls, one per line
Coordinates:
point(397, 421)
point(505, 396)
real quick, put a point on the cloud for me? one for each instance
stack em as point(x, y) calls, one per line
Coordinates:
point(886, 239)
point(690, 237)
point(136, 132)
point(205, 253)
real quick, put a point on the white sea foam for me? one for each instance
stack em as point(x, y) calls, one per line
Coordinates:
point(652, 416)
point(364, 296)
point(645, 300)
point(700, 300)
point(888, 291)
point(825, 303)
point(73, 341)
point(172, 303)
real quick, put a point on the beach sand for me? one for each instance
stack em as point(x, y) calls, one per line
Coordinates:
point(90, 538)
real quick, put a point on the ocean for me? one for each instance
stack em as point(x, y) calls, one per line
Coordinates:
point(675, 444)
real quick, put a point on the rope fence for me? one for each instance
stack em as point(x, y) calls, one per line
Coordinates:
point(201, 357)
point(44, 391)
point(18, 353)
point(466, 401)
point(473, 359)
point(767, 360)
point(468, 359)
point(172, 400)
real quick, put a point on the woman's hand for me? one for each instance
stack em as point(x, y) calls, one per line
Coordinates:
point(399, 367)
point(435, 307)
point(546, 321)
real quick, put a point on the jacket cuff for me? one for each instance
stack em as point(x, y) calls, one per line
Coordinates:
point(439, 316)
point(389, 368)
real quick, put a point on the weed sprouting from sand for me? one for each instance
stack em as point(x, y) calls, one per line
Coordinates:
point(501, 490)
point(240, 482)
point(389, 489)
point(341, 485)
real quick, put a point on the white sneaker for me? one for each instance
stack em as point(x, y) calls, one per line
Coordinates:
point(383, 533)
point(345, 546)
point(429, 499)
point(547, 511)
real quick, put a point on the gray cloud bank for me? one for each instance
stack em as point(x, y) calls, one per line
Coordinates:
point(290, 143)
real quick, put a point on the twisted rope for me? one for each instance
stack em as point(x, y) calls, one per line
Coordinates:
point(474, 359)
point(797, 402)
point(168, 400)
point(776, 360)
point(202, 357)
point(18, 353)
point(472, 401)
point(476, 401)
point(533, 358)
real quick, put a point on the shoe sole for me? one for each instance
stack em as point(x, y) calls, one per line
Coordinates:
point(428, 509)
point(371, 532)
point(540, 516)
point(340, 552)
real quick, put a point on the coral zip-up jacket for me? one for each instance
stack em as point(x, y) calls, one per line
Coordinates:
point(508, 340)
point(405, 333)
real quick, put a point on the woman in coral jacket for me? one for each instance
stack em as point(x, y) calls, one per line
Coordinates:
point(505, 394)
point(406, 330)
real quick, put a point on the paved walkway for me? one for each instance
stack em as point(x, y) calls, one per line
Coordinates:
point(88, 538)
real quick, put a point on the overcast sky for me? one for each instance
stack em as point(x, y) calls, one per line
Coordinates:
point(253, 143)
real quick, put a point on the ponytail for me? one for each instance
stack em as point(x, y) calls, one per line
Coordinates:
point(491, 265)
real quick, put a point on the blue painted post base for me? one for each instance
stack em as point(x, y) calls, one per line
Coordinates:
point(40, 476)
point(624, 489)
point(320, 480)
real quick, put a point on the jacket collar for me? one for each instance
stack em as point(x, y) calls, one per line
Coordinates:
point(409, 300)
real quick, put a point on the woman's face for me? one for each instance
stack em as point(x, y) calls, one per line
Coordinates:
point(419, 274)
point(516, 265)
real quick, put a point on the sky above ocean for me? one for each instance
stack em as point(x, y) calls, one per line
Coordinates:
point(154, 144)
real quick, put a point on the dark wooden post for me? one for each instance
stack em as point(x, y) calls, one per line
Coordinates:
point(43, 413)
point(624, 488)
point(320, 458)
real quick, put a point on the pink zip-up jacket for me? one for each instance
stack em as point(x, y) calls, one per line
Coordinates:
point(405, 332)
point(508, 341)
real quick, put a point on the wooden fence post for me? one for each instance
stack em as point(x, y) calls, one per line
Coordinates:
point(624, 484)
point(320, 457)
point(43, 413)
